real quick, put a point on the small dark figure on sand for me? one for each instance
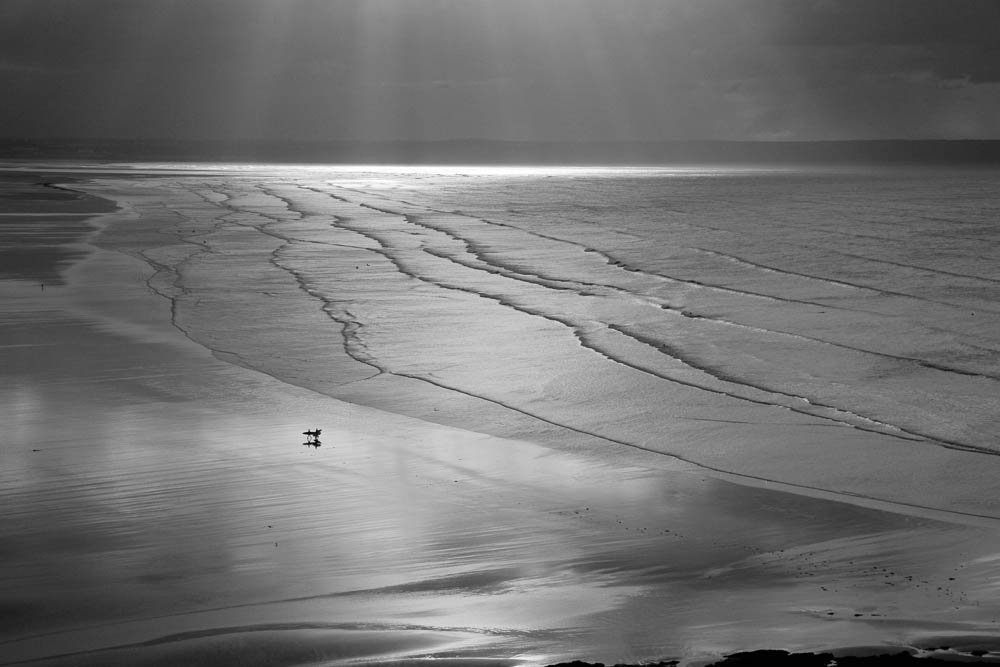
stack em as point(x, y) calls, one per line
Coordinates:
point(312, 437)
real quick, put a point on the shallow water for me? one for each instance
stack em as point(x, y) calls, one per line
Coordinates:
point(692, 312)
point(160, 509)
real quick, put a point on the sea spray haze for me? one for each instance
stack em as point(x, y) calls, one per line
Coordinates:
point(834, 329)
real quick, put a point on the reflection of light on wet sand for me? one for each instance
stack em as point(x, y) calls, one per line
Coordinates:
point(139, 505)
point(173, 502)
point(211, 514)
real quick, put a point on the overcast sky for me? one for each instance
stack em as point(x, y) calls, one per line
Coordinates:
point(501, 69)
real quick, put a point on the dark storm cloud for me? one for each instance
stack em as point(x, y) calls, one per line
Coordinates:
point(952, 39)
point(885, 21)
point(532, 69)
point(75, 33)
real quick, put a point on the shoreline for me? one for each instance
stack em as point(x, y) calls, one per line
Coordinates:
point(451, 524)
point(55, 237)
point(414, 395)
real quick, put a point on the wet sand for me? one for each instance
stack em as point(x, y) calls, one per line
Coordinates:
point(42, 226)
point(159, 508)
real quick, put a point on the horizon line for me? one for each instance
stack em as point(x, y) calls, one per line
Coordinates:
point(265, 140)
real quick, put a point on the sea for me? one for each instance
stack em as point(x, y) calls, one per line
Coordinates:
point(833, 329)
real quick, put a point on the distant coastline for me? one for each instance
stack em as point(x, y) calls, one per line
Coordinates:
point(484, 151)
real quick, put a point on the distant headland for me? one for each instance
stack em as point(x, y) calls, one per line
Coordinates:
point(486, 151)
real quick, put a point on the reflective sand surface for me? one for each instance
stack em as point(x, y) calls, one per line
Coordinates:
point(159, 508)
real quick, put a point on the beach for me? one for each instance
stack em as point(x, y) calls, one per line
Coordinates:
point(529, 453)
